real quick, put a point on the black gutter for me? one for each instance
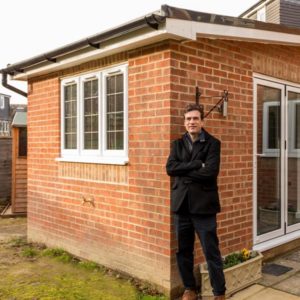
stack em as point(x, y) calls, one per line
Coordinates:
point(153, 21)
point(95, 41)
point(10, 87)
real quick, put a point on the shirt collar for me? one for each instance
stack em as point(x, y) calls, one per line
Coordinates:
point(200, 138)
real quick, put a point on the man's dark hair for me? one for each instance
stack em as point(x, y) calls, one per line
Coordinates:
point(194, 106)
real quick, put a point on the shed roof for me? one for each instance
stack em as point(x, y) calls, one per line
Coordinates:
point(167, 23)
point(20, 119)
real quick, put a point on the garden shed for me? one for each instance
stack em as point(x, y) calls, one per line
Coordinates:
point(103, 111)
point(19, 163)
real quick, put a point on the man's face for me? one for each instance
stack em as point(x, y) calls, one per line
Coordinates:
point(192, 122)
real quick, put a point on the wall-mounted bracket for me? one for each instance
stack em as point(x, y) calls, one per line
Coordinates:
point(221, 105)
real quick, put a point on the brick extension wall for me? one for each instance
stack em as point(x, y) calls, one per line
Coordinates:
point(130, 227)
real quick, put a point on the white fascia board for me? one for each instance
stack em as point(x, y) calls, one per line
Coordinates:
point(112, 48)
point(173, 29)
point(192, 30)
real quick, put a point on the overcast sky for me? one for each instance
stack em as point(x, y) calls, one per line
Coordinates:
point(32, 27)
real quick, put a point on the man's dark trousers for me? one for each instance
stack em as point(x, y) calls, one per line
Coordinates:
point(205, 227)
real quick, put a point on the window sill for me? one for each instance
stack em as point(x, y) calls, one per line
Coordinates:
point(273, 154)
point(96, 160)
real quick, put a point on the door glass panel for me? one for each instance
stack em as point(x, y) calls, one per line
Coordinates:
point(268, 159)
point(293, 187)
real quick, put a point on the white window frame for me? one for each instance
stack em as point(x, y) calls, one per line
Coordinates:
point(89, 152)
point(72, 153)
point(261, 14)
point(2, 102)
point(101, 155)
point(292, 119)
point(293, 152)
point(113, 153)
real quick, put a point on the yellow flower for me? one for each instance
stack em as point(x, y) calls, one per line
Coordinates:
point(246, 254)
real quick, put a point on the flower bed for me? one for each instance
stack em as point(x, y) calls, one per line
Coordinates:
point(238, 276)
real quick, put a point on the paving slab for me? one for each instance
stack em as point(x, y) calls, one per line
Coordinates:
point(264, 294)
point(294, 256)
point(290, 285)
point(247, 292)
point(271, 280)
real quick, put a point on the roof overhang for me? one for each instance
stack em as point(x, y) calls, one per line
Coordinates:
point(168, 23)
point(192, 30)
point(110, 48)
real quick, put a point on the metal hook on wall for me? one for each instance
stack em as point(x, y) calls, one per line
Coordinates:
point(221, 105)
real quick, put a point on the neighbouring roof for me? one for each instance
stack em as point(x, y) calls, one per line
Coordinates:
point(257, 4)
point(167, 23)
point(20, 119)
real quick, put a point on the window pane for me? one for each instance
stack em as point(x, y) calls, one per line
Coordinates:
point(110, 122)
point(111, 103)
point(119, 140)
point(274, 127)
point(115, 112)
point(268, 180)
point(70, 141)
point(119, 102)
point(110, 84)
point(70, 117)
point(87, 107)
point(91, 114)
point(119, 83)
point(119, 121)
point(87, 89)
point(87, 124)
point(94, 137)
point(110, 140)
point(95, 88)
point(94, 123)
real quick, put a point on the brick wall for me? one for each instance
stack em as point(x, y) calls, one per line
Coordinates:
point(130, 227)
point(215, 66)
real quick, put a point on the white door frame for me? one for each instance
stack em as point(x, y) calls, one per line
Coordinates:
point(281, 230)
point(280, 235)
point(290, 228)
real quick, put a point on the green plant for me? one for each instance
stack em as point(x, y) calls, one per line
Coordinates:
point(29, 252)
point(238, 257)
point(17, 242)
point(89, 265)
point(59, 254)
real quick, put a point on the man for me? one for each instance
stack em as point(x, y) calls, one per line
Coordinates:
point(194, 161)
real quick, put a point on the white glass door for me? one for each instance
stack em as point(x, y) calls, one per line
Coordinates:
point(293, 160)
point(269, 160)
point(276, 160)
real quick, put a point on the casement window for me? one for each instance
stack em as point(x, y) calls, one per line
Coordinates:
point(271, 128)
point(94, 118)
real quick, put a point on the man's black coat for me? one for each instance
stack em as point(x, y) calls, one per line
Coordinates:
point(195, 174)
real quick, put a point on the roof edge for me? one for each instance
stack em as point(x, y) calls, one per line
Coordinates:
point(148, 21)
